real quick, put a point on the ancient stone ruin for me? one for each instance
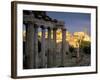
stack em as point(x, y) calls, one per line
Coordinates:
point(38, 19)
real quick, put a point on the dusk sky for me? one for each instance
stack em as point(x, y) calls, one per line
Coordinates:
point(74, 22)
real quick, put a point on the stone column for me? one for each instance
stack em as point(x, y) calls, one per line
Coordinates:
point(36, 46)
point(49, 54)
point(43, 48)
point(78, 53)
point(67, 46)
point(29, 48)
point(63, 53)
point(54, 47)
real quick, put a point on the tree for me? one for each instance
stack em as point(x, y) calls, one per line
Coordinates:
point(71, 49)
point(85, 46)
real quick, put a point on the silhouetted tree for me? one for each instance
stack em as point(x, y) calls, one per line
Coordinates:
point(86, 47)
point(71, 49)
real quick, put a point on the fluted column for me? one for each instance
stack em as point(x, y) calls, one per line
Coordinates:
point(54, 46)
point(36, 46)
point(43, 48)
point(29, 48)
point(49, 54)
point(63, 47)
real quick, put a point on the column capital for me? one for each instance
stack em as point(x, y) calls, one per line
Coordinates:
point(36, 26)
point(27, 22)
point(54, 28)
point(64, 29)
point(42, 26)
point(49, 28)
